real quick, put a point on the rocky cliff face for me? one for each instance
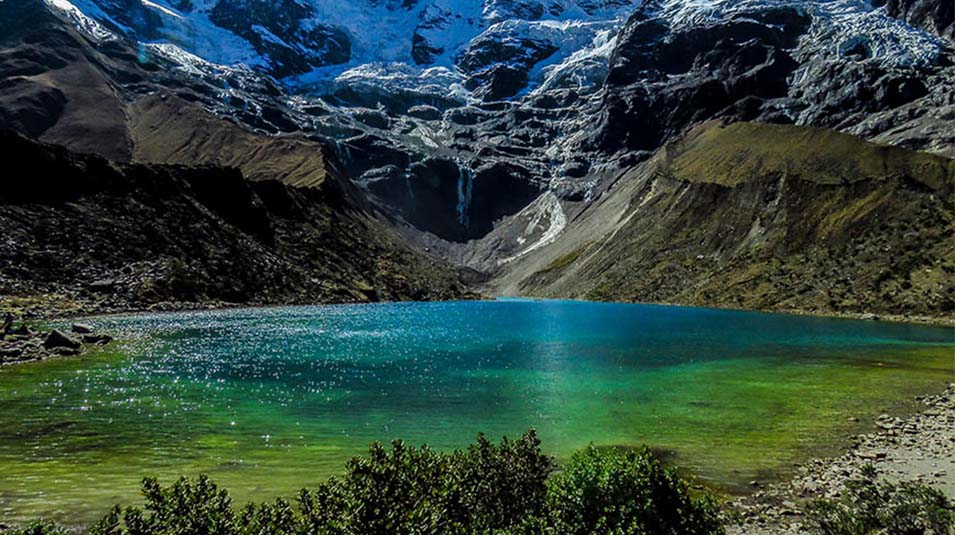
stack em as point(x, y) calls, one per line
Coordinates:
point(930, 15)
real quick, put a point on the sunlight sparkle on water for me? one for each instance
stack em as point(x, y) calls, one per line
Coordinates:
point(269, 400)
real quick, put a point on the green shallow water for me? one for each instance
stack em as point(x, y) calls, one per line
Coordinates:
point(270, 400)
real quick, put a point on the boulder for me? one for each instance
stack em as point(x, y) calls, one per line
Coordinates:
point(98, 339)
point(102, 286)
point(22, 330)
point(56, 339)
point(81, 328)
point(11, 353)
point(425, 112)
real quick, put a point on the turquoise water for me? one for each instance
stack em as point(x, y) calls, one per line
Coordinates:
point(270, 400)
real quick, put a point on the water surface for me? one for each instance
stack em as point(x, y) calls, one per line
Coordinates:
point(270, 400)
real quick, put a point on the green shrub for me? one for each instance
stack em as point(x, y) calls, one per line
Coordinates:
point(613, 492)
point(488, 489)
point(186, 507)
point(38, 527)
point(409, 490)
point(869, 506)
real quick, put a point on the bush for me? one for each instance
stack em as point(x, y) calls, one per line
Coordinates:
point(409, 490)
point(610, 492)
point(39, 527)
point(487, 489)
point(185, 507)
point(869, 507)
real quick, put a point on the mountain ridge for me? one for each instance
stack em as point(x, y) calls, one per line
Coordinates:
point(491, 173)
point(783, 236)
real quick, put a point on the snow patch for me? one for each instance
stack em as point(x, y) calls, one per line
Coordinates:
point(546, 206)
point(164, 9)
point(85, 23)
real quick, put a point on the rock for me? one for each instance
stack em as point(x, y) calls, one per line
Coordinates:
point(56, 339)
point(11, 352)
point(934, 16)
point(98, 339)
point(373, 118)
point(81, 328)
point(102, 286)
point(22, 330)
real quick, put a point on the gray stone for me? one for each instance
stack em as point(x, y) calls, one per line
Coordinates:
point(82, 328)
point(99, 339)
point(57, 339)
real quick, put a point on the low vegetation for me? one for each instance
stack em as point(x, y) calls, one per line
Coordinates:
point(870, 506)
point(766, 217)
point(510, 488)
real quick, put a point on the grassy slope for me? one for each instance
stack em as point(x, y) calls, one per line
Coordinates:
point(166, 129)
point(764, 217)
point(743, 152)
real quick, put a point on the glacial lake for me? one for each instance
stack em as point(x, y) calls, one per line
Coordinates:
point(267, 401)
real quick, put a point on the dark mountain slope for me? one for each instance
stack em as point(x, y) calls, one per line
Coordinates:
point(53, 86)
point(122, 235)
point(117, 236)
point(104, 97)
point(763, 217)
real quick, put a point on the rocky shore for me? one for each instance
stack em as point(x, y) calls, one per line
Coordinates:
point(24, 344)
point(920, 448)
point(68, 306)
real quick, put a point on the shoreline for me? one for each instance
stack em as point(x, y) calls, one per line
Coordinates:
point(55, 307)
point(916, 448)
point(24, 344)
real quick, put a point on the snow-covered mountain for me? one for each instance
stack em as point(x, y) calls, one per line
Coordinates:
point(485, 49)
point(459, 116)
point(457, 48)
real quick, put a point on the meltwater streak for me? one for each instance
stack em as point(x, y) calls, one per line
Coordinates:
point(267, 401)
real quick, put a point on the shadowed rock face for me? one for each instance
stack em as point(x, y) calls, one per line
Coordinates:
point(30, 107)
point(275, 29)
point(498, 67)
point(661, 81)
point(128, 236)
point(936, 16)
